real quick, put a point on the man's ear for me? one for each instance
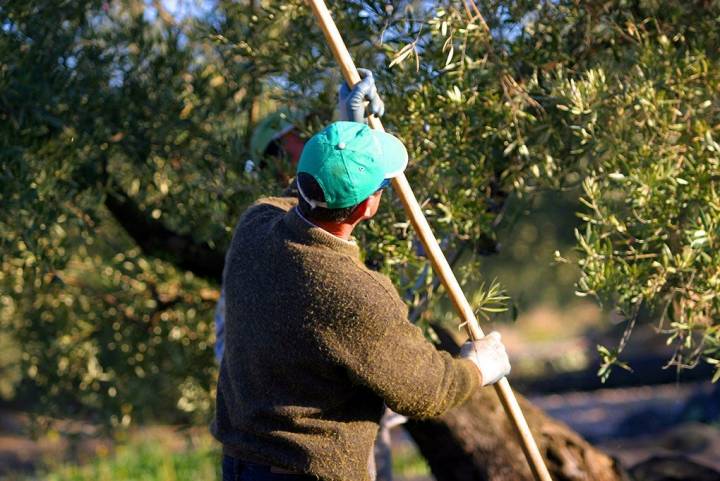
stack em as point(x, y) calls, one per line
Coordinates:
point(372, 204)
point(366, 209)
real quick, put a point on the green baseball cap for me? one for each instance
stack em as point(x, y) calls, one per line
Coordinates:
point(272, 127)
point(350, 161)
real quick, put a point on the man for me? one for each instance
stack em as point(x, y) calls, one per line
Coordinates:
point(316, 343)
point(276, 144)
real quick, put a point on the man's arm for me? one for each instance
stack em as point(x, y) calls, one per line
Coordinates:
point(382, 350)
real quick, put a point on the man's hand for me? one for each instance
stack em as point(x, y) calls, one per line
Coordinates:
point(489, 356)
point(351, 103)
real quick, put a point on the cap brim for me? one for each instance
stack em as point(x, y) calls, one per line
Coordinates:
point(395, 156)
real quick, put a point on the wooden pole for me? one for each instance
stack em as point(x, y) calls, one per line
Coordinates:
point(433, 251)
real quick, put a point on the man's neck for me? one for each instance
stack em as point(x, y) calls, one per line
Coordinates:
point(343, 230)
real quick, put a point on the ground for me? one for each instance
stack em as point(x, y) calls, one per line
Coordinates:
point(624, 422)
point(679, 421)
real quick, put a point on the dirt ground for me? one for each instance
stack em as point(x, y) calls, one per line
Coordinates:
point(637, 424)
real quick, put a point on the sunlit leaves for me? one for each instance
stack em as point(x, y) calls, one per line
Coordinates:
point(620, 102)
point(651, 195)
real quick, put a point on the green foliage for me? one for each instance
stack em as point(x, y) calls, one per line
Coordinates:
point(652, 215)
point(114, 332)
point(407, 463)
point(113, 100)
point(636, 121)
point(490, 301)
point(150, 460)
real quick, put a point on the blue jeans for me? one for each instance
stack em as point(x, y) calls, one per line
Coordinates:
point(235, 470)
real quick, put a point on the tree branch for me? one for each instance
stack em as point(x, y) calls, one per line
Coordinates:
point(156, 240)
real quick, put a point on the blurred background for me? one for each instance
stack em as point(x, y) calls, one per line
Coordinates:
point(133, 133)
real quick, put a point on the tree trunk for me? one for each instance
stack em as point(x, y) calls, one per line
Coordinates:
point(476, 442)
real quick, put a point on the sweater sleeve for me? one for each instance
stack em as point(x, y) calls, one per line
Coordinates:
point(382, 350)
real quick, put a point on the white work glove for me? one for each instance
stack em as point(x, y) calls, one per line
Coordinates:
point(351, 103)
point(489, 356)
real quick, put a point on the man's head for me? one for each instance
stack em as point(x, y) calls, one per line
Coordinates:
point(343, 169)
point(276, 143)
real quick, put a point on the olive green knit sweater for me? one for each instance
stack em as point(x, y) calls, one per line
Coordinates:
point(314, 343)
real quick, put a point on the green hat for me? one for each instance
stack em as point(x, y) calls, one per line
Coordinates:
point(350, 161)
point(271, 128)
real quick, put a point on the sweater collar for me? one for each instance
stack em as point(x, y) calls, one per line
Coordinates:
point(311, 234)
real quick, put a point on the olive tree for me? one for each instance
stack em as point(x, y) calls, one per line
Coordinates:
point(125, 129)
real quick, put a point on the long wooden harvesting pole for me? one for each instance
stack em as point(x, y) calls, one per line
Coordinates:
point(440, 264)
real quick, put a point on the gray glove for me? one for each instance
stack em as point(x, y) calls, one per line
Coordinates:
point(351, 103)
point(489, 356)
